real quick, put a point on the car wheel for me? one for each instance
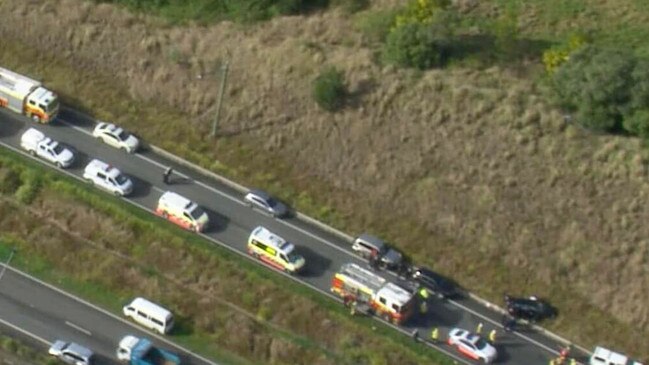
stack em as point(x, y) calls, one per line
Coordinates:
point(32, 152)
point(165, 215)
point(117, 193)
point(59, 165)
point(90, 181)
point(125, 149)
point(36, 118)
point(248, 204)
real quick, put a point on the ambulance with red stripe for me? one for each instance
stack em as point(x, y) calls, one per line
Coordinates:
point(182, 211)
point(274, 251)
point(23, 95)
point(387, 300)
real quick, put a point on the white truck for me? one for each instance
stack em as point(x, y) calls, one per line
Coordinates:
point(141, 351)
point(37, 144)
point(25, 96)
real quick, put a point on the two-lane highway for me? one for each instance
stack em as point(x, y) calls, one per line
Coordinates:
point(232, 222)
point(47, 314)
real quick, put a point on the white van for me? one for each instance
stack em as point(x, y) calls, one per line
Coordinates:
point(602, 356)
point(182, 211)
point(150, 315)
point(274, 250)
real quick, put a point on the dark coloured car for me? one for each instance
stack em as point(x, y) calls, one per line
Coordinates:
point(531, 308)
point(436, 283)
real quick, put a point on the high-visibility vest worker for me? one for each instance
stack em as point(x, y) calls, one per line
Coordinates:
point(423, 307)
point(573, 362)
point(423, 293)
point(552, 362)
point(478, 329)
point(434, 334)
point(492, 337)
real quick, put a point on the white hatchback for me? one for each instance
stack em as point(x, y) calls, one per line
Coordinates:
point(107, 177)
point(115, 136)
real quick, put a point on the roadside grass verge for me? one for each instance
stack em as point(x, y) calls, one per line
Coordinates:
point(102, 249)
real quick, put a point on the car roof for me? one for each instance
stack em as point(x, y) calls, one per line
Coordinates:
point(109, 170)
point(260, 193)
point(271, 239)
point(79, 350)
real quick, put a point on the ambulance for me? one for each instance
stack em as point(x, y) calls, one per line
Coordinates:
point(386, 299)
point(182, 211)
point(274, 251)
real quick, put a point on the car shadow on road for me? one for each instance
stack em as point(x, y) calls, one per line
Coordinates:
point(316, 264)
point(218, 222)
point(141, 188)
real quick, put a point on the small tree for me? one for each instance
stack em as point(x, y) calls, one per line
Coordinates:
point(415, 45)
point(638, 123)
point(596, 83)
point(329, 89)
point(556, 56)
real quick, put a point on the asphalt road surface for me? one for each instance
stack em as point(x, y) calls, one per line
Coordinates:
point(45, 314)
point(231, 223)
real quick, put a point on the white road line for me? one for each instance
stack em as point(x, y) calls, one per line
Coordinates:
point(34, 336)
point(78, 328)
point(303, 231)
point(496, 323)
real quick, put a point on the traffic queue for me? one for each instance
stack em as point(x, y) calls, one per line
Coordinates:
point(362, 289)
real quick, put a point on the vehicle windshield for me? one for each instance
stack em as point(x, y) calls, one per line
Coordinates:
point(123, 135)
point(121, 179)
point(271, 202)
point(480, 344)
point(52, 106)
point(197, 212)
point(293, 257)
point(58, 149)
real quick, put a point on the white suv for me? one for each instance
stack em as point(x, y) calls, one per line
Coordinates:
point(108, 178)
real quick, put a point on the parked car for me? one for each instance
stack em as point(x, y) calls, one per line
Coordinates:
point(115, 136)
point(531, 308)
point(107, 177)
point(262, 200)
point(436, 283)
point(472, 345)
point(378, 252)
point(71, 353)
point(37, 144)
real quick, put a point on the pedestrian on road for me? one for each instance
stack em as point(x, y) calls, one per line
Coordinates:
point(478, 329)
point(167, 174)
point(434, 335)
point(352, 308)
point(573, 361)
point(492, 337)
point(552, 362)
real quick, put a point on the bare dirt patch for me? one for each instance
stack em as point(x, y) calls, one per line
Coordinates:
point(481, 178)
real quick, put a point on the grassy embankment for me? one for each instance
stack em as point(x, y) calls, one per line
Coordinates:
point(106, 251)
point(550, 20)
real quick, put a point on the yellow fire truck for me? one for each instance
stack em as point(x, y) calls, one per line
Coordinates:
point(23, 95)
point(387, 300)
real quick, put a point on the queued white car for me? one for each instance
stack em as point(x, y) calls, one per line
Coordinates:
point(71, 353)
point(472, 345)
point(37, 144)
point(107, 177)
point(116, 136)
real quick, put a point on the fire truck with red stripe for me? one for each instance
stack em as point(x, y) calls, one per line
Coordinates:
point(385, 299)
point(23, 95)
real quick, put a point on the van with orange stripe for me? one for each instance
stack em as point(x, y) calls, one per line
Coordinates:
point(182, 211)
point(274, 251)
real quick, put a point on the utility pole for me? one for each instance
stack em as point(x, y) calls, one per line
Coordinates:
point(11, 255)
point(224, 76)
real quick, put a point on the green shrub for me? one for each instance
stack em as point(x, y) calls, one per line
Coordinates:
point(329, 89)
point(415, 45)
point(597, 84)
point(638, 123)
point(31, 183)
point(556, 56)
point(376, 25)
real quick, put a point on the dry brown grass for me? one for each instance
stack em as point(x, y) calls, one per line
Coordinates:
point(475, 166)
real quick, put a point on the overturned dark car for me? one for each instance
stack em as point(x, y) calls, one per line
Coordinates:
point(439, 285)
point(530, 308)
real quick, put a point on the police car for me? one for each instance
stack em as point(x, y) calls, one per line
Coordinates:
point(107, 177)
point(472, 345)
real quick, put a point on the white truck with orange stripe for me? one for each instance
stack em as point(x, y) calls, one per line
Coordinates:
point(387, 300)
point(25, 96)
point(274, 251)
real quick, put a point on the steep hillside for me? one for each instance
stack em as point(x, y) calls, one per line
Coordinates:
point(470, 171)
